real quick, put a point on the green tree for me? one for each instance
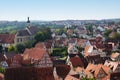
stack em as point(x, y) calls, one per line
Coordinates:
point(62, 52)
point(107, 32)
point(43, 35)
point(29, 44)
point(13, 31)
point(80, 49)
point(11, 48)
point(20, 48)
point(47, 33)
point(60, 31)
point(89, 28)
point(2, 70)
point(85, 78)
point(116, 35)
point(39, 37)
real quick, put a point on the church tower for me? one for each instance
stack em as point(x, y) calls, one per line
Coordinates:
point(28, 22)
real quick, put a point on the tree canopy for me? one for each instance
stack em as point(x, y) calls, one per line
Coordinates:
point(20, 48)
point(43, 35)
point(62, 52)
point(107, 32)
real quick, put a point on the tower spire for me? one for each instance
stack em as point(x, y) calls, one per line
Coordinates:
point(28, 22)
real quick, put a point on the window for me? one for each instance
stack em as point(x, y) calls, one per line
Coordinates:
point(17, 39)
point(20, 39)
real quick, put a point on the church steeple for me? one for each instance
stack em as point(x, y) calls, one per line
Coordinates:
point(28, 22)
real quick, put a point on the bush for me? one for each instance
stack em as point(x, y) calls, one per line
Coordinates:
point(20, 48)
point(11, 48)
point(62, 52)
point(2, 70)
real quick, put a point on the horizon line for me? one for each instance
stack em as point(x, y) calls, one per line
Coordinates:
point(58, 19)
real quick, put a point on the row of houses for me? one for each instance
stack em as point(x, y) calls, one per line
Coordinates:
point(92, 62)
point(92, 65)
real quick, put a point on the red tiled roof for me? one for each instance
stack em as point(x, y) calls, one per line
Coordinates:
point(113, 65)
point(16, 61)
point(90, 67)
point(97, 68)
point(34, 53)
point(86, 51)
point(62, 70)
point(76, 61)
point(115, 55)
point(96, 58)
point(40, 45)
point(7, 38)
point(81, 41)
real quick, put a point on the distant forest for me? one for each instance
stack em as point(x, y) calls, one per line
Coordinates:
point(13, 26)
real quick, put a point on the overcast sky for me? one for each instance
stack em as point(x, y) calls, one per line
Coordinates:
point(59, 9)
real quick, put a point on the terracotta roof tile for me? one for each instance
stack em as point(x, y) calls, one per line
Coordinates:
point(17, 59)
point(112, 65)
point(76, 61)
point(79, 69)
point(80, 42)
point(40, 45)
point(115, 55)
point(97, 68)
point(91, 67)
point(34, 53)
point(88, 49)
point(7, 38)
